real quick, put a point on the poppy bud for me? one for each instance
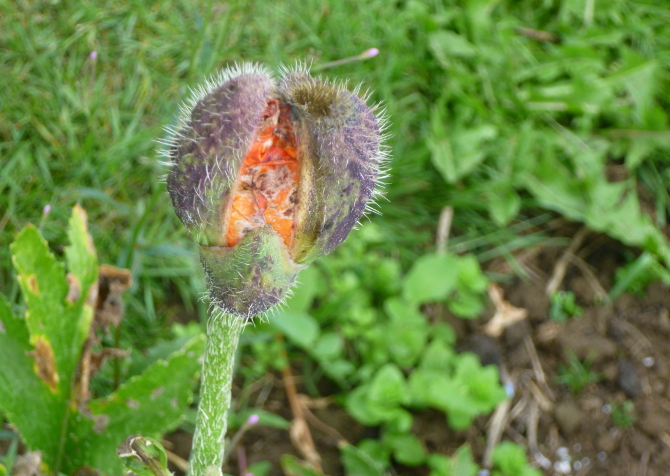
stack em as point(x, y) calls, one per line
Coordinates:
point(268, 177)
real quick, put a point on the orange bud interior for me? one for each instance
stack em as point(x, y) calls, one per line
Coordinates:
point(267, 187)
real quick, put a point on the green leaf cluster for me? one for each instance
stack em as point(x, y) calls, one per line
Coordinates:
point(360, 319)
point(522, 123)
point(41, 350)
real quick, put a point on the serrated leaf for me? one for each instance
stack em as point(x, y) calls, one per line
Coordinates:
point(147, 404)
point(21, 390)
point(58, 319)
point(41, 354)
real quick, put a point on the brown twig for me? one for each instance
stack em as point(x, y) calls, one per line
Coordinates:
point(561, 266)
point(644, 463)
point(443, 229)
point(665, 438)
point(538, 35)
point(537, 368)
point(539, 397)
point(590, 276)
point(327, 429)
point(178, 461)
point(533, 422)
point(497, 425)
point(300, 434)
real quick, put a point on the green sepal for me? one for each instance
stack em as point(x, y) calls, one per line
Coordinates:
point(251, 277)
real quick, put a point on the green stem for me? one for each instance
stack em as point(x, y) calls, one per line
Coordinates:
point(223, 333)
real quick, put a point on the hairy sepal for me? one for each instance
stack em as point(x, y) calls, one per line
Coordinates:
point(338, 138)
point(208, 149)
point(249, 278)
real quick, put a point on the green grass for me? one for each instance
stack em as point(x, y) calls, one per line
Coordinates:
point(527, 127)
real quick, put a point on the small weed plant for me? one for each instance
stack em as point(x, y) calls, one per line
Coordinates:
point(577, 375)
point(564, 306)
point(623, 415)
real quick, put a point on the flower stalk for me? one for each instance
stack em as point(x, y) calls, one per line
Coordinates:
point(223, 333)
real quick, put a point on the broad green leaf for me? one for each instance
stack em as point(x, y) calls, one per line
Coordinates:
point(381, 399)
point(438, 356)
point(328, 346)
point(299, 327)
point(147, 404)
point(460, 464)
point(37, 389)
point(431, 388)
point(388, 387)
point(503, 202)
point(407, 332)
point(407, 449)
point(303, 294)
point(358, 462)
point(431, 278)
point(236, 420)
point(463, 465)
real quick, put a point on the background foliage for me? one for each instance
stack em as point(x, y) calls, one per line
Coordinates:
point(509, 129)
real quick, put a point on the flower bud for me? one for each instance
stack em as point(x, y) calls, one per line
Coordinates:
point(268, 177)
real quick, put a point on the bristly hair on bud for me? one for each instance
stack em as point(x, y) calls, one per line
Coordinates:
point(268, 175)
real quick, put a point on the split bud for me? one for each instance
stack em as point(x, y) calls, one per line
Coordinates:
point(268, 177)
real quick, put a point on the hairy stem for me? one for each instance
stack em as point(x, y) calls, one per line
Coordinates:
point(223, 333)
